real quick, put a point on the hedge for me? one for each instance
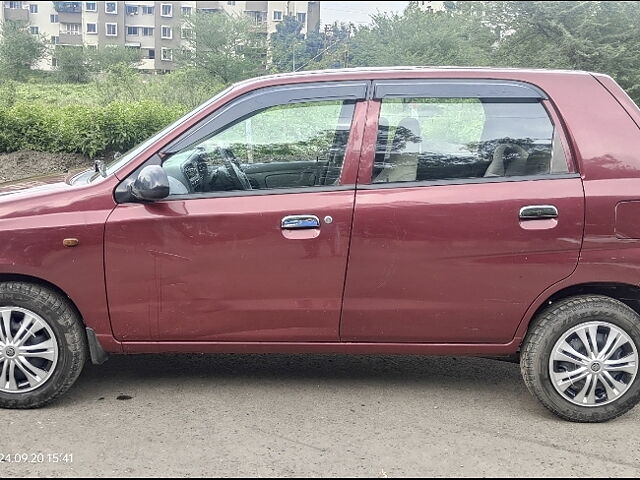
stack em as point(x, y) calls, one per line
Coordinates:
point(85, 129)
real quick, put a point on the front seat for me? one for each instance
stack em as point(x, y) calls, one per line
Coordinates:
point(509, 160)
point(402, 165)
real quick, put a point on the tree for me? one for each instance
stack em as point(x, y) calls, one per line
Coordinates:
point(74, 64)
point(423, 38)
point(288, 45)
point(106, 58)
point(593, 36)
point(226, 47)
point(19, 49)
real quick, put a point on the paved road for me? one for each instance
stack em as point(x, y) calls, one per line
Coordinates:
point(283, 415)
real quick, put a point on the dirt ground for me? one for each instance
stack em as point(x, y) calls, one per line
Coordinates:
point(25, 164)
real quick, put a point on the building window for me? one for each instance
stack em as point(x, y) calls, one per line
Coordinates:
point(132, 9)
point(33, 8)
point(302, 18)
point(167, 55)
point(186, 33)
point(167, 10)
point(91, 6)
point(231, 3)
point(54, 62)
point(92, 28)
point(146, 10)
point(15, 5)
point(132, 30)
point(55, 40)
point(112, 29)
point(166, 33)
point(147, 31)
point(72, 28)
point(186, 11)
point(111, 7)
point(277, 15)
point(34, 30)
point(152, 54)
point(53, 18)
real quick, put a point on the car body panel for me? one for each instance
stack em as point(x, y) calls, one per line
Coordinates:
point(222, 269)
point(453, 263)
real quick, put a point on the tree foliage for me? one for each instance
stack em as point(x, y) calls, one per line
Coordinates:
point(423, 38)
point(19, 49)
point(75, 64)
point(226, 47)
point(290, 48)
point(584, 35)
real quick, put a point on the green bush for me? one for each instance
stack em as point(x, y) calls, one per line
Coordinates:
point(85, 129)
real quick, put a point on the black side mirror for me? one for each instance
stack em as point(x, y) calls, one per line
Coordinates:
point(152, 184)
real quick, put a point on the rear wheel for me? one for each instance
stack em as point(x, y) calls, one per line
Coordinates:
point(580, 358)
point(42, 345)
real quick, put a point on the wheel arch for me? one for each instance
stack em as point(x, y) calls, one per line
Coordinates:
point(17, 277)
point(626, 293)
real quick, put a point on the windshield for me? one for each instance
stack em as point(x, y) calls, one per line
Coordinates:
point(122, 160)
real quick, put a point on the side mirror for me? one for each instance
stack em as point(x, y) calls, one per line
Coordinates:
point(152, 184)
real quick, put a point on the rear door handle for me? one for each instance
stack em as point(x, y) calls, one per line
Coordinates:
point(538, 212)
point(300, 222)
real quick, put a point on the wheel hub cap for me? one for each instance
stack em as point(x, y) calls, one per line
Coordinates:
point(593, 364)
point(28, 350)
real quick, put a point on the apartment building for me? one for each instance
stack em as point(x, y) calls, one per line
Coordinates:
point(155, 27)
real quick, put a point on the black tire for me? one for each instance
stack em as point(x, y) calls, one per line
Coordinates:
point(63, 319)
point(546, 330)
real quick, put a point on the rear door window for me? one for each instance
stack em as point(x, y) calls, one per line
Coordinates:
point(430, 139)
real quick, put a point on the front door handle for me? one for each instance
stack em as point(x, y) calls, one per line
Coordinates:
point(300, 222)
point(538, 212)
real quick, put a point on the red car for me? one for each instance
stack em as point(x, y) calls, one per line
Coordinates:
point(384, 211)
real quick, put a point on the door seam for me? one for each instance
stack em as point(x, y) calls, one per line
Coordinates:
point(353, 218)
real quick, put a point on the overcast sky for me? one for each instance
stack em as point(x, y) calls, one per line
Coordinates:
point(356, 12)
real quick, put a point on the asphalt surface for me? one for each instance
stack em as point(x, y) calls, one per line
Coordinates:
point(320, 416)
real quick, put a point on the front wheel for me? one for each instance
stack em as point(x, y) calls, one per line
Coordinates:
point(580, 358)
point(42, 345)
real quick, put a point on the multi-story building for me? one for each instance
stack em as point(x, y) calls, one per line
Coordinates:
point(155, 27)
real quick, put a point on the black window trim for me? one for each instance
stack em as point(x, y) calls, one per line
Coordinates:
point(488, 90)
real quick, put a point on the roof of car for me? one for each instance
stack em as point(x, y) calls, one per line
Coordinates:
point(399, 72)
point(408, 72)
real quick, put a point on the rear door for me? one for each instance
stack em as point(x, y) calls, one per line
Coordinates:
point(468, 210)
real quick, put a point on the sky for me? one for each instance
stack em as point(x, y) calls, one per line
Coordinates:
point(356, 12)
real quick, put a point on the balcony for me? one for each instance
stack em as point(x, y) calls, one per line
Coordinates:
point(68, 7)
point(16, 14)
point(209, 5)
point(256, 7)
point(68, 17)
point(70, 39)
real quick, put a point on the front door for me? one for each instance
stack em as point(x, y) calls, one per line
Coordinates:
point(252, 243)
point(467, 213)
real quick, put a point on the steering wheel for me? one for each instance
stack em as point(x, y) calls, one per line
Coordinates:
point(235, 172)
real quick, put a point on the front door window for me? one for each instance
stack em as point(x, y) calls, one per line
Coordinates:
point(283, 147)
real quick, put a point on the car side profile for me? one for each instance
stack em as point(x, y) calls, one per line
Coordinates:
point(441, 211)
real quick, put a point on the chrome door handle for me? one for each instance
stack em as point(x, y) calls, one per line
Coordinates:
point(300, 222)
point(538, 212)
